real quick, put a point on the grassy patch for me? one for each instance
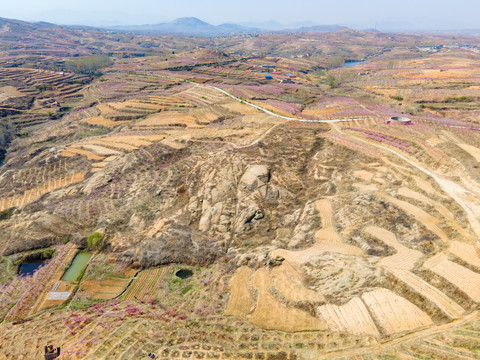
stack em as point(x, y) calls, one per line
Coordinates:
point(82, 304)
point(85, 131)
point(100, 268)
point(7, 270)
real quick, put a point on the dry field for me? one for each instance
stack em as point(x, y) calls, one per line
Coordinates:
point(106, 289)
point(145, 284)
point(31, 195)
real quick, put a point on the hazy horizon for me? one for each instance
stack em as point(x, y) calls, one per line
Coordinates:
point(428, 15)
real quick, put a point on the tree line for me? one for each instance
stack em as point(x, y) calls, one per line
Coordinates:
point(88, 64)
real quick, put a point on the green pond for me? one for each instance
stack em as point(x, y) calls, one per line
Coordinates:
point(78, 264)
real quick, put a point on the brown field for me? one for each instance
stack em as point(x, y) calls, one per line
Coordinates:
point(271, 314)
point(104, 289)
point(145, 285)
point(73, 151)
point(169, 119)
point(423, 288)
point(404, 259)
point(352, 317)
point(465, 279)
point(240, 108)
point(101, 121)
point(393, 313)
point(8, 92)
point(472, 150)
point(272, 108)
point(240, 303)
point(288, 282)
point(33, 194)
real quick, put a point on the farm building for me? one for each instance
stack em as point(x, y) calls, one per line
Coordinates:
point(268, 77)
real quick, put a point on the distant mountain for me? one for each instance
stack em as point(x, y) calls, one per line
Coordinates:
point(271, 25)
point(302, 24)
point(319, 28)
point(19, 25)
point(196, 27)
point(188, 26)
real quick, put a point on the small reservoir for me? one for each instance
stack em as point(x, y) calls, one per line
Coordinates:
point(184, 273)
point(29, 267)
point(349, 63)
point(79, 263)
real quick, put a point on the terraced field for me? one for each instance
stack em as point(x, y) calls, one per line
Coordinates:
point(144, 286)
point(311, 223)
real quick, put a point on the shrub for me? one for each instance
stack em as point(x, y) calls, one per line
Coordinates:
point(331, 81)
point(6, 214)
point(95, 241)
point(335, 62)
point(397, 97)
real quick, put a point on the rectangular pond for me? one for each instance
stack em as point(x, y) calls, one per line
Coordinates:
point(79, 263)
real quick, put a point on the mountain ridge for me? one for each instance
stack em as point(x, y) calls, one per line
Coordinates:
point(195, 26)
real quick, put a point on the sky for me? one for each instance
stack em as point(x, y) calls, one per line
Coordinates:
point(359, 14)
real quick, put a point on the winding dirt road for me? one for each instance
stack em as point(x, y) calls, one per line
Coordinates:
point(266, 111)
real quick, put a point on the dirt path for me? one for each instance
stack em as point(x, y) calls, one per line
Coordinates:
point(276, 115)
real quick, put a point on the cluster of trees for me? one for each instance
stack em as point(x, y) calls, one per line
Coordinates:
point(88, 64)
point(95, 241)
point(335, 62)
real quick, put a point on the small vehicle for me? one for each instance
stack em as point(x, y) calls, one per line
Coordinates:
point(51, 352)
